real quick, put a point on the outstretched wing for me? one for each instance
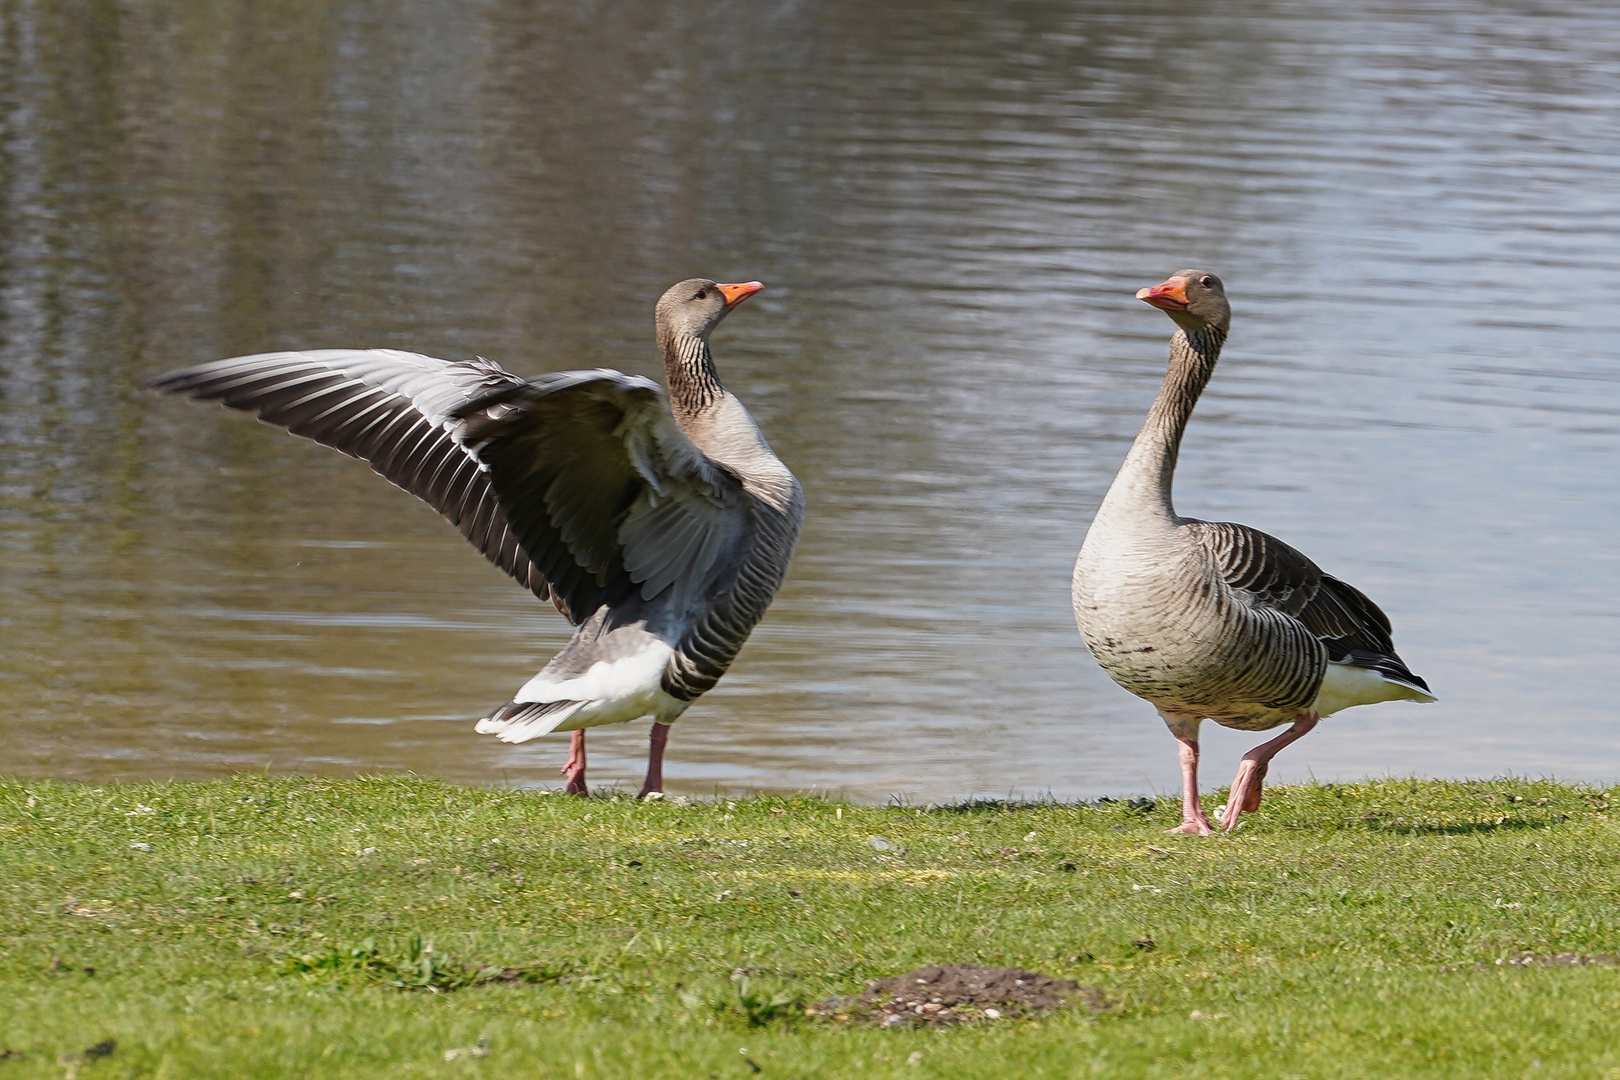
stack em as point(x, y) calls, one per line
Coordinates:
point(391, 409)
point(1274, 575)
point(606, 494)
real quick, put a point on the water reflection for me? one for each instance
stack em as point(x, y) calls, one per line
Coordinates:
point(952, 204)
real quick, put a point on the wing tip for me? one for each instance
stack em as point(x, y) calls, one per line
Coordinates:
point(181, 381)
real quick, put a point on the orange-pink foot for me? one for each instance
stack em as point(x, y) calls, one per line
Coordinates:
point(1244, 798)
point(657, 740)
point(574, 767)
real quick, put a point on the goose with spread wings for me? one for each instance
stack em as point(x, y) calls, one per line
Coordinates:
point(1212, 620)
point(660, 526)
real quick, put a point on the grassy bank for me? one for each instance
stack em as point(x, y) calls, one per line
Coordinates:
point(270, 927)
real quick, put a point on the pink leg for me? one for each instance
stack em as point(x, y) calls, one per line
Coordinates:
point(1193, 821)
point(655, 760)
point(1245, 794)
point(575, 768)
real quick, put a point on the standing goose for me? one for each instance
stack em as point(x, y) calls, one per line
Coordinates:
point(661, 527)
point(1212, 620)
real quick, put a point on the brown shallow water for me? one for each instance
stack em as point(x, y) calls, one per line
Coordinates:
point(1412, 205)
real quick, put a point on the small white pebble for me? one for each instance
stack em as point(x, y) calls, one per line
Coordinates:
point(994, 1014)
point(480, 1049)
point(138, 846)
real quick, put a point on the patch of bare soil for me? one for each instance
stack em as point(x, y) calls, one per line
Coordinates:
point(942, 994)
point(1563, 959)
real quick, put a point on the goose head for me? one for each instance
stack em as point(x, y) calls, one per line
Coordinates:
point(692, 308)
point(1195, 299)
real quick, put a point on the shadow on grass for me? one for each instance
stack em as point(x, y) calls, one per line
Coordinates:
point(1460, 828)
point(973, 807)
point(417, 967)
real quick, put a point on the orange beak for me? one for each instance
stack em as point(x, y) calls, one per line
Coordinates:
point(1170, 294)
point(736, 294)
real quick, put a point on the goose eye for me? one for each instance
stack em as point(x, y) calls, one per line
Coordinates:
point(702, 294)
point(1205, 281)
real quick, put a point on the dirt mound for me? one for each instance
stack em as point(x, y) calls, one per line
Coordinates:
point(952, 993)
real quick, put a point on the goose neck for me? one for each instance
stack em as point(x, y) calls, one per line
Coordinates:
point(1145, 481)
point(694, 384)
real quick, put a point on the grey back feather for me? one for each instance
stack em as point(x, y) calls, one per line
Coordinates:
point(1351, 628)
point(661, 522)
point(616, 500)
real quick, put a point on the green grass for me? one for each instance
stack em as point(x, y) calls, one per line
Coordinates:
point(275, 927)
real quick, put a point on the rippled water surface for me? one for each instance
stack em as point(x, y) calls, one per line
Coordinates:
point(1413, 207)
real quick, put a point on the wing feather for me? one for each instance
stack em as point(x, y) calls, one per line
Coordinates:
point(605, 491)
point(387, 408)
point(1275, 576)
point(579, 484)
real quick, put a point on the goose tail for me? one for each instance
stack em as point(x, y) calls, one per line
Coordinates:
point(1363, 679)
point(520, 721)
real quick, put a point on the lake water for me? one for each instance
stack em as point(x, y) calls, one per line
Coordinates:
point(1413, 207)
